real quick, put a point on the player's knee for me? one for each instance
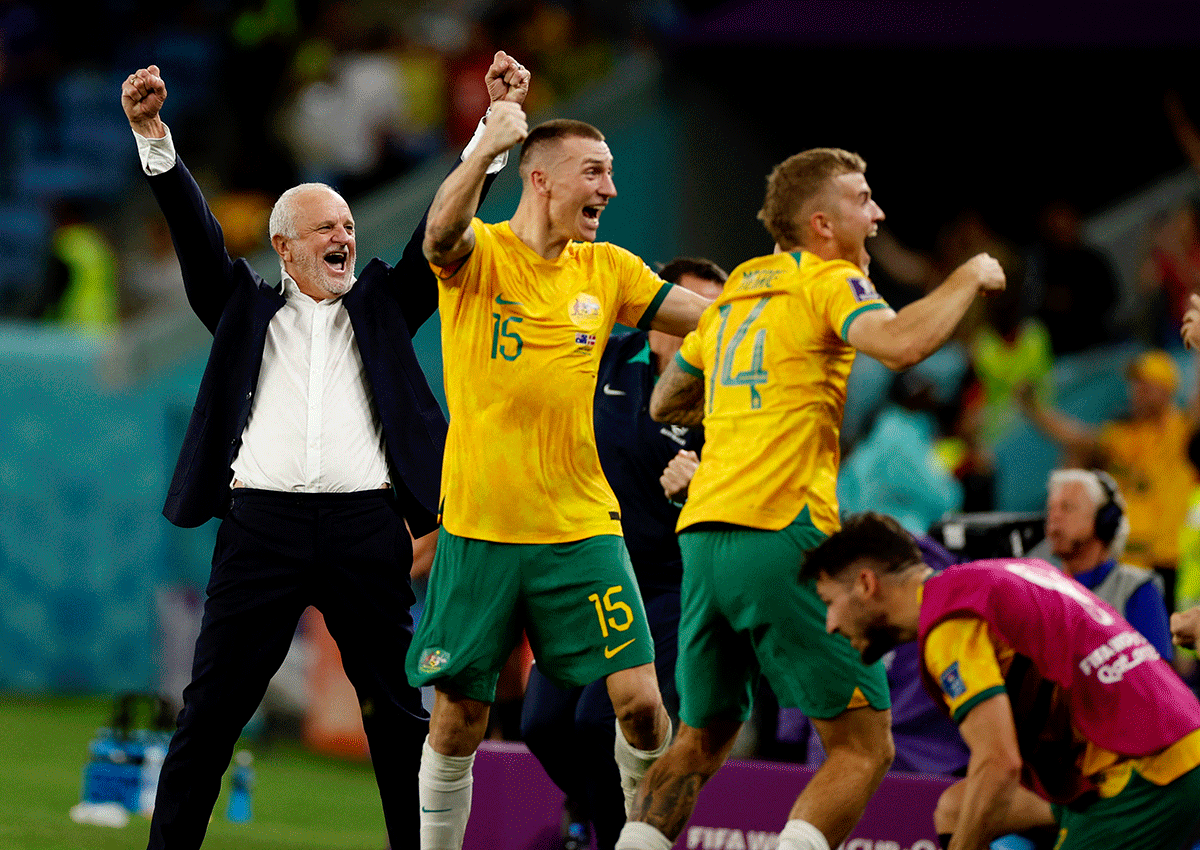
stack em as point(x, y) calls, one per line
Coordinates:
point(639, 708)
point(635, 696)
point(457, 724)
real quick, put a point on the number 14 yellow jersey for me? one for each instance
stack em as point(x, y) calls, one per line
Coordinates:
point(772, 353)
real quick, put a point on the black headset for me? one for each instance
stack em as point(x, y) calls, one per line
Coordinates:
point(1108, 515)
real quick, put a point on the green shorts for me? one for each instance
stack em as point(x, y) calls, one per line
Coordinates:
point(1143, 815)
point(578, 603)
point(745, 613)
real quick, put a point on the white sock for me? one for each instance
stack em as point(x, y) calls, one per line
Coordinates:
point(636, 835)
point(801, 835)
point(445, 792)
point(633, 763)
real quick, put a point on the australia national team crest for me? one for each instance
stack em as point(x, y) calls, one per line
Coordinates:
point(433, 659)
point(863, 289)
point(585, 312)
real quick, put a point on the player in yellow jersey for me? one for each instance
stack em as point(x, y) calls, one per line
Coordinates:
point(766, 373)
point(531, 533)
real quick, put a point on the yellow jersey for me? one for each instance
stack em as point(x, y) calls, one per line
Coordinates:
point(1149, 462)
point(521, 343)
point(966, 652)
point(773, 356)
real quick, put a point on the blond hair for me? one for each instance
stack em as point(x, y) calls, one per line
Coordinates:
point(796, 181)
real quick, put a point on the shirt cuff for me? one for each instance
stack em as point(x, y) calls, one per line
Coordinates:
point(499, 162)
point(157, 155)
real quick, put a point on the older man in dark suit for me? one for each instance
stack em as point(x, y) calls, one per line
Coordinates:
point(316, 437)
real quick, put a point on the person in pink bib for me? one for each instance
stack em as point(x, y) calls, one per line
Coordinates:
point(1073, 719)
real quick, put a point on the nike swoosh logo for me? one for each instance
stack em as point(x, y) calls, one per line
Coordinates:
point(433, 811)
point(500, 300)
point(610, 391)
point(609, 653)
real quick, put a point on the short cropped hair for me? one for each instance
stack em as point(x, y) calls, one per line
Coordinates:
point(866, 535)
point(797, 180)
point(553, 131)
point(695, 266)
point(283, 214)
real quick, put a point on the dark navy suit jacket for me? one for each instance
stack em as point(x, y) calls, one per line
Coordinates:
point(386, 305)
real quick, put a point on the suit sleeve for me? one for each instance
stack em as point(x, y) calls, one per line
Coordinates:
point(199, 243)
point(416, 280)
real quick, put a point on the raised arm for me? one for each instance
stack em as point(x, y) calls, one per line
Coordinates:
point(195, 232)
point(448, 234)
point(678, 397)
point(1074, 435)
point(507, 80)
point(901, 340)
point(1185, 132)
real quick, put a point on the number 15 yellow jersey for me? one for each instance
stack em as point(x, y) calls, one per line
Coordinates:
point(772, 353)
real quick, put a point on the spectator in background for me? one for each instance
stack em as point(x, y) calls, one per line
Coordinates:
point(347, 123)
point(1146, 455)
point(1072, 285)
point(1087, 529)
point(1008, 351)
point(1171, 273)
point(80, 288)
point(894, 468)
point(1187, 587)
point(155, 281)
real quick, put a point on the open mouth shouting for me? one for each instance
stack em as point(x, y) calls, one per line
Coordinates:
point(336, 261)
point(591, 217)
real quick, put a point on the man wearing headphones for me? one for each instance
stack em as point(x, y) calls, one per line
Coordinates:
point(1087, 528)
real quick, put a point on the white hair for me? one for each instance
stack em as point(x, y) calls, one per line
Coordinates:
point(283, 213)
point(1096, 492)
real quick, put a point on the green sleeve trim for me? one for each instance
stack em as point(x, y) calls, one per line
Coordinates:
point(688, 367)
point(858, 311)
point(651, 311)
point(963, 710)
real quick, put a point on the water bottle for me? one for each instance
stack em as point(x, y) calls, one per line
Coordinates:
point(152, 759)
point(241, 781)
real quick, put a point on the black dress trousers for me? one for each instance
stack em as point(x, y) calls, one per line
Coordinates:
point(346, 554)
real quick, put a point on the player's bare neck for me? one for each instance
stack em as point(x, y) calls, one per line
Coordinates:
point(537, 234)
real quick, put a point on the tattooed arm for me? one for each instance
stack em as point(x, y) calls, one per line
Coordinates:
point(678, 397)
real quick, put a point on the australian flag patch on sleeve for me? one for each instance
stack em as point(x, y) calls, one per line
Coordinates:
point(951, 682)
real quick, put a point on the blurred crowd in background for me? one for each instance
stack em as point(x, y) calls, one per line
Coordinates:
point(264, 94)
